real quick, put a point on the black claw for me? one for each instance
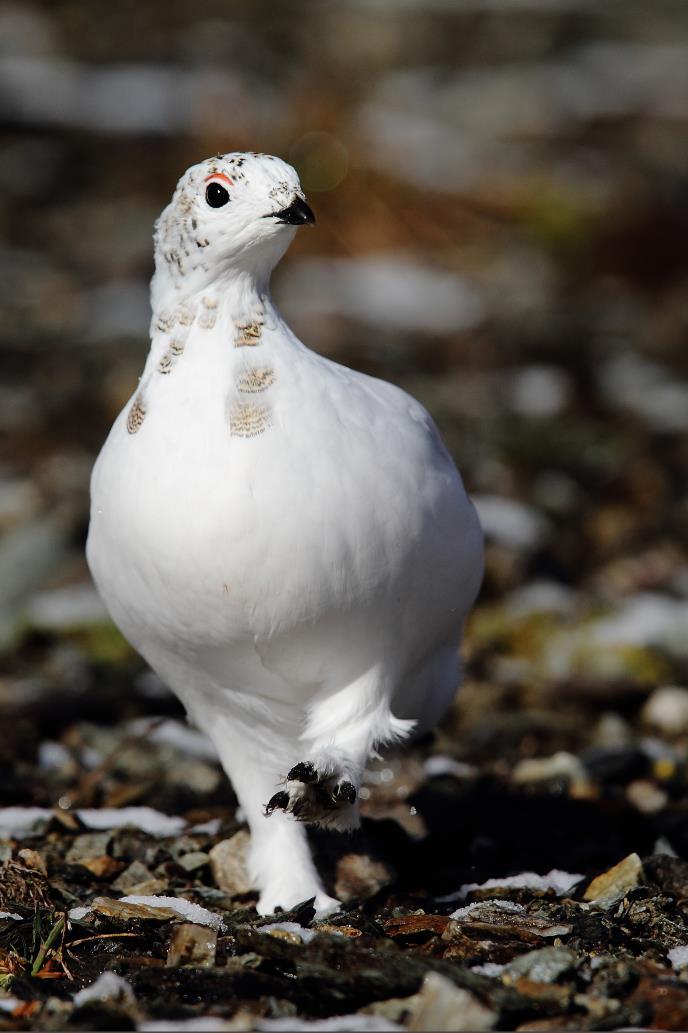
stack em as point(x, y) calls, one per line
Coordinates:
point(279, 801)
point(344, 792)
point(303, 772)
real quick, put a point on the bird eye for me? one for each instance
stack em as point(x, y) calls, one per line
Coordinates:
point(216, 195)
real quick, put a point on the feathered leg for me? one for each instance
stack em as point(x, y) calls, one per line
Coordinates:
point(280, 860)
point(341, 734)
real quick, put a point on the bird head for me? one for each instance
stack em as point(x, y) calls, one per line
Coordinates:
point(233, 213)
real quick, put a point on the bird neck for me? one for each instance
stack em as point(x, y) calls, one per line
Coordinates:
point(240, 293)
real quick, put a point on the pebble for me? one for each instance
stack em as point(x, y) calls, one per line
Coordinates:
point(360, 876)
point(122, 911)
point(667, 710)
point(229, 864)
point(645, 796)
point(194, 860)
point(544, 769)
point(542, 966)
point(131, 876)
point(612, 885)
point(90, 845)
point(192, 944)
point(446, 1008)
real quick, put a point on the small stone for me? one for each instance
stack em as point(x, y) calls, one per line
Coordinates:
point(667, 710)
point(493, 920)
point(446, 1008)
point(102, 867)
point(645, 796)
point(229, 864)
point(614, 884)
point(132, 876)
point(360, 876)
point(543, 769)
point(611, 730)
point(92, 844)
point(541, 966)
point(124, 912)
point(194, 860)
point(192, 945)
point(148, 888)
point(286, 935)
point(33, 860)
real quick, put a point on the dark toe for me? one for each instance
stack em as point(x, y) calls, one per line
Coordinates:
point(344, 792)
point(303, 772)
point(279, 801)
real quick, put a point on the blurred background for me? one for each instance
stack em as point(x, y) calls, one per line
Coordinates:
point(501, 190)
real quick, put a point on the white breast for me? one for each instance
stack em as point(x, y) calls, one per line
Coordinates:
point(270, 497)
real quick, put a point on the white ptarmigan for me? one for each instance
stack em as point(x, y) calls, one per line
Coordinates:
point(286, 541)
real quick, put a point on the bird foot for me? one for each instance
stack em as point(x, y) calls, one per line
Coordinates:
point(315, 796)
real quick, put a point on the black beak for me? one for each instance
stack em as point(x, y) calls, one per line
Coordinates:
point(297, 214)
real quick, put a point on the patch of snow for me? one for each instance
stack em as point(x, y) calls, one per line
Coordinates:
point(648, 389)
point(559, 881)
point(52, 755)
point(179, 735)
point(540, 597)
point(201, 1024)
point(383, 290)
point(439, 765)
point(208, 828)
point(345, 1023)
point(108, 986)
point(489, 968)
point(11, 914)
point(9, 1003)
point(663, 846)
point(537, 391)
point(145, 818)
point(290, 927)
point(74, 606)
point(126, 97)
point(21, 821)
point(647, 618)
point(191, 912)
point(510, 522)
point(678, 956)
point(77, 913)
point(503, 905)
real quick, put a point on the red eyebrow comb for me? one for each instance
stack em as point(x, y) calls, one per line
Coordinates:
point(219, 175)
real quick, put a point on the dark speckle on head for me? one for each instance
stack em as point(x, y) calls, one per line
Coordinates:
point(251, 187)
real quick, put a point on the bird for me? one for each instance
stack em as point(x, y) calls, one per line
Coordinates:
point(286, 541)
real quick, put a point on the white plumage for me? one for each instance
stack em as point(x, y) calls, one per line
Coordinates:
point(286, 541)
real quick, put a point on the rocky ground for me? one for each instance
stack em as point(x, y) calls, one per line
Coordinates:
point(522, 871)
point(500, 193)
